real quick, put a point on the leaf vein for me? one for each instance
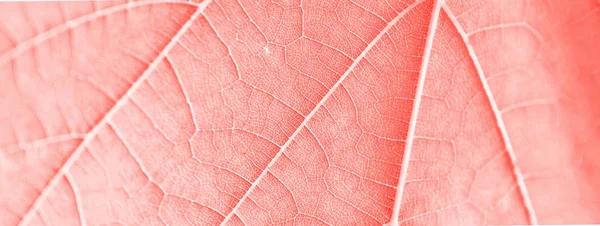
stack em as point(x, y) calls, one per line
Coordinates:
point(318, 106)
point(30, 213)
point(499, 121)
point(73, 23)
point(415, 112)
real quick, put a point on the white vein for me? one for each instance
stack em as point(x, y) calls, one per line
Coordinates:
point(26, 45)
point(317, 107)
point(415, 112)
point(524, 25)
point(78, 199)
point(529, 103)
point(499, 122)
point(44, 142)
point(96, 129)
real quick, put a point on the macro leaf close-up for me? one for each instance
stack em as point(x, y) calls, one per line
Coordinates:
point(300, 112)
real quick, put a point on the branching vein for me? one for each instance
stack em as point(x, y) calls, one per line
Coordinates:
point(26, 45)
point(499, 121)
point(29, 215)
point(391, 24)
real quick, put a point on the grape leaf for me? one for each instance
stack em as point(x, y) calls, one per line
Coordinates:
point(299, 112)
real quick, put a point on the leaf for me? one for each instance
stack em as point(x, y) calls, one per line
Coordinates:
point(306, 112)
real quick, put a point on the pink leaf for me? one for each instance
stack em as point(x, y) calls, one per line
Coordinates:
point(300, 112)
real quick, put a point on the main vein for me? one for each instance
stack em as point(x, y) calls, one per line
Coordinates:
point(318, 106)
point(415, 112)
point(29, 215)
point(499, 121)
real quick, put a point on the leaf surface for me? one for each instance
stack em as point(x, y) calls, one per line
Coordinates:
point(305, 112)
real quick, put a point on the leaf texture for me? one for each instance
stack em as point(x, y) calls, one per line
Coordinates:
point(299, 112)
